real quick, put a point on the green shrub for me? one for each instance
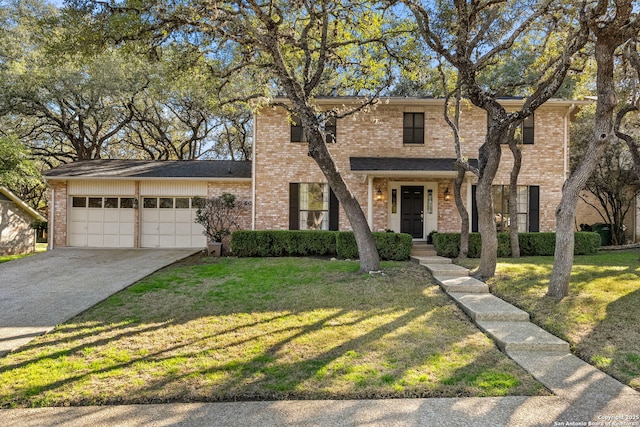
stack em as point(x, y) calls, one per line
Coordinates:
point(531, 244)
point(264, 243)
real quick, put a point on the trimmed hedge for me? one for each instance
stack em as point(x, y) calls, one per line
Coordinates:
point(531, 244)
point(267, 243)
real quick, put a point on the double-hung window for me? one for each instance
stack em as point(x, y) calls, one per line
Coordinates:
point(413, 128)
point(329, 127)
point(312, 206)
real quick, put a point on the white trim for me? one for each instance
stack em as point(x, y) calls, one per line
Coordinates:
point(25, 207)
point(253, 172)
point(52, 205)
point(370, 201)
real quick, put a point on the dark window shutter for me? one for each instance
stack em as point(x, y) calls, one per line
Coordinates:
point(334, 211)
point(534, 208)
point(528, 133)
point(474, 210)
point(297, 133)
point(294, 206)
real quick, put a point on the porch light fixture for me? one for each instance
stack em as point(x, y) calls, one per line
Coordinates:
point(379, 195)
point(447, 196)
point(135, 204)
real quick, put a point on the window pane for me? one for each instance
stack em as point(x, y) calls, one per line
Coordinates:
point(314, 220)
point(126, 203)
point(197, 202)
point(166, 202)
point(95, 202)
point(408, 120)
point(150, 202)
point(79, 202)
point(182, 203)
point(111, 202)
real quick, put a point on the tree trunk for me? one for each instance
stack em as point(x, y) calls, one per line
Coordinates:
point(489, 159)
point(369, 258)
point(462, 210)
point(603, 133)
point(513, 193)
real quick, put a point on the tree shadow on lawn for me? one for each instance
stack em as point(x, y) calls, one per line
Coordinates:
point(606, 335)
point(279, 336)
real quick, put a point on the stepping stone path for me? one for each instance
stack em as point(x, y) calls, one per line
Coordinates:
point(506, 324)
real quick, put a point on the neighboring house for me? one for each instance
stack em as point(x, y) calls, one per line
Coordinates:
point(137, 203)
point(587, 214)
point(397, 158)
point(16, 235)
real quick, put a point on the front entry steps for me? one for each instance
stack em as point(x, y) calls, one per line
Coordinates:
point(506, 324)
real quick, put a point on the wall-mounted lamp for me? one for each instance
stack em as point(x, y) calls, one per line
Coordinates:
point(447, 196)
point(379, 195)
point(135, 204)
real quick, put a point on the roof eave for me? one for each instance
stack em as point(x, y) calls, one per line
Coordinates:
point(18, 201)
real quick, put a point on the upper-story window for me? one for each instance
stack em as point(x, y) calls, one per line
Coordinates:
point(527, 130)
point(413, 128)
point(298, 135)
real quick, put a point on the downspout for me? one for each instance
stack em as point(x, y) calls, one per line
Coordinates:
point(370, 201)
point(566, 141)
point(253, 173)
point(52, 204)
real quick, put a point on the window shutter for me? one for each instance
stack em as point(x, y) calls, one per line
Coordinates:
point(294, 206)
point(474, 210)
point(528, 132)
point(334, 211)
point(534, 208)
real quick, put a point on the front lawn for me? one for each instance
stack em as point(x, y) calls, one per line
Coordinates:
point(601, 316)
point(288, 328)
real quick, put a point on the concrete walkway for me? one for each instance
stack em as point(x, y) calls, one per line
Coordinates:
point(43, 290)
point(583, 395)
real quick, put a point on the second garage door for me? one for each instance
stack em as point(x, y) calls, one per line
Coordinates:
point(169, 222)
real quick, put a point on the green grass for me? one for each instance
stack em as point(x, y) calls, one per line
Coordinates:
point(600, 317)
point(243, 329)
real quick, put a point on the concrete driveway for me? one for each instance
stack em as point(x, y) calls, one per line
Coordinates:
point(43, 290)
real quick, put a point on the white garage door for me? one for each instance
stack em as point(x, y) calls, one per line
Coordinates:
point(101, 222)
point(169, 222)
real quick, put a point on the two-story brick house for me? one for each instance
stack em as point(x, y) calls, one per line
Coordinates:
point(397, 159)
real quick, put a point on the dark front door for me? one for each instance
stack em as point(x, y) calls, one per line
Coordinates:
point(411, 211)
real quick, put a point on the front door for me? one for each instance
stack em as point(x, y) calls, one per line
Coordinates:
point(412, 211)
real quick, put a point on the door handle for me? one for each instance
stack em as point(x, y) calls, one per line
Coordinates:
point(421, 215)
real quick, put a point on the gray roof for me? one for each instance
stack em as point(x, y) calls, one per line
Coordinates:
point(228, 169)
point(405, 164)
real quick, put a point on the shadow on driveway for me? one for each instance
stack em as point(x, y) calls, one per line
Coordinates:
point(43, 290)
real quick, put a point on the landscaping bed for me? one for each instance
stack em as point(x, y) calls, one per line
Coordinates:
point(257, 329)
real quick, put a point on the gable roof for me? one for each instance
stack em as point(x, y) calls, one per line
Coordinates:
point(21, 204)
point(153, 169)
point(391, 165)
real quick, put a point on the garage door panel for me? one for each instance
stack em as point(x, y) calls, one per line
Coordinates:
point(111, 215)
point(126, 241)
point(94, 227)
point(149, 215)
point(167, 241)
point(95, 240)
point(166, 215)
point(78, 239)
point(111, 240)
point(111, 228)
point(183, 241)
point(167, 228)
point(183, 216)
point(183, 229)
point(127, 229)
point(78, 215)
point(127, 215)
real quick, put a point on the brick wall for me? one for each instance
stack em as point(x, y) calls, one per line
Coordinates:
point(379, 133)
point(58, 193)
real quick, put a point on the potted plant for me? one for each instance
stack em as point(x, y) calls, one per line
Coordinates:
point(219, 217)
